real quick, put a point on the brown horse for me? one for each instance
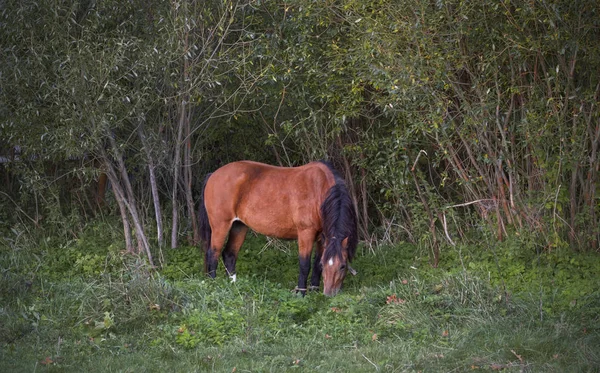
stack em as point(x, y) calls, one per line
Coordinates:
point(308, 203)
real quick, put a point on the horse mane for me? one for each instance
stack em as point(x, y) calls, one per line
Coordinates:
point(339, 218)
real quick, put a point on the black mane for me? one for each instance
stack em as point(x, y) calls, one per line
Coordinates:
point(339, 218)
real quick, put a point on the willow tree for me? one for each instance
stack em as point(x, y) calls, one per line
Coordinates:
point(212, 77)
point(131, 87)
point(453, 113)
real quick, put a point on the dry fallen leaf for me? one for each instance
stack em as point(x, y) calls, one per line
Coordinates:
point(374, 337)
point(327, 336)
point(393, 299)
point(445, 333)
point(518, 356)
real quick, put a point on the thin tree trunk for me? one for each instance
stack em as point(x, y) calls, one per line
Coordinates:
point(187, 169)
point(123, 212)
point(177, 157)
point(436, 249)
point(121, 194)
point(176, 166)
point(101, 191)
point(128, 198)
point(594, 133)
point(591, 182)
point(573, 189)
point(365, 211)
point(474, 162)
point(153, 186)
point(156, 202)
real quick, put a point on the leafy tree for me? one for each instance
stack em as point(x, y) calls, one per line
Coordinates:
point(444, 117)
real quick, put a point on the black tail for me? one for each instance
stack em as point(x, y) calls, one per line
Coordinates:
point(205, 231)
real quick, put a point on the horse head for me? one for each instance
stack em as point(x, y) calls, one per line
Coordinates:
point(336, 266)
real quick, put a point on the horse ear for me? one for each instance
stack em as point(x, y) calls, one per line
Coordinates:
point(345, 243)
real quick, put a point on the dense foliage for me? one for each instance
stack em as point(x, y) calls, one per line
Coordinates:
point(447, 118)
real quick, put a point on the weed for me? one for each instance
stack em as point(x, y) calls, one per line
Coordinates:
point(83, 305)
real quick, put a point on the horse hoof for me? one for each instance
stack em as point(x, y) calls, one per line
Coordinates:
point(298, 290)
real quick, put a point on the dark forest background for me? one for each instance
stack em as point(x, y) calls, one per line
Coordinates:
point(450, 120)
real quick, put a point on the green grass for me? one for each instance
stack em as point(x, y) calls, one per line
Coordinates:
point(83, 306)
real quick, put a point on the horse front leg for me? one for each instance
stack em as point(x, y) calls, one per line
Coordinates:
point(315, 278)
point(305, 243)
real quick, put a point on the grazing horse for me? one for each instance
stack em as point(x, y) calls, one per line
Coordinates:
point(309, 203)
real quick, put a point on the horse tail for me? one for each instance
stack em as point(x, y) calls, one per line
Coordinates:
point(205, 230)
point(339, 215)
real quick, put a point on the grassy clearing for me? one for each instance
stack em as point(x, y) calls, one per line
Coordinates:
point(82, 306)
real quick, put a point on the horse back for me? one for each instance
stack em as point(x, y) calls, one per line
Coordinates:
point(275, 201)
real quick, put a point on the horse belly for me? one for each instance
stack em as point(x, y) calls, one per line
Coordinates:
point(264, 220)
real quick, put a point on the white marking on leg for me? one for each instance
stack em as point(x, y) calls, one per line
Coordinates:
point(330, 261)
point(233, 277)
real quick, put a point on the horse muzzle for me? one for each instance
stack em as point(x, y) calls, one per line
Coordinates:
point(331, 291)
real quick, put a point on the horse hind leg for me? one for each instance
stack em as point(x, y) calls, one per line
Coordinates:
point(213, 252)
point(237, 235)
